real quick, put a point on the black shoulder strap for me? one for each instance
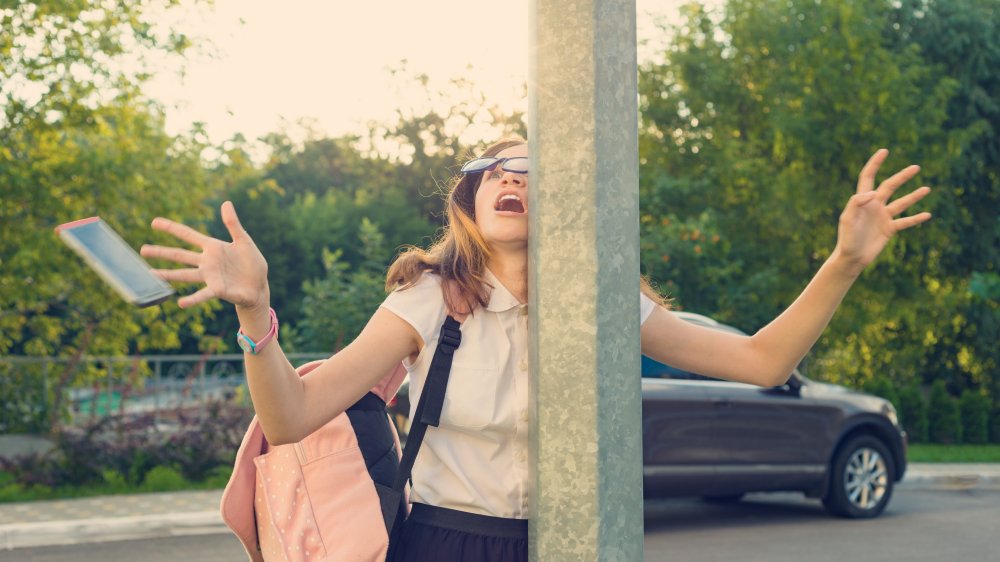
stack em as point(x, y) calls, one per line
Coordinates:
point(431, 399)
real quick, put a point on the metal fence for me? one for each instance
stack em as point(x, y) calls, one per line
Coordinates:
point(38, 392)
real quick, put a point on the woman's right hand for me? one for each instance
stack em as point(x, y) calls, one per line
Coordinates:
point(232, 271)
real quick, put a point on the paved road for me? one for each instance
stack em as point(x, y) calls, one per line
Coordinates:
point(197, 548)
point(920, 525)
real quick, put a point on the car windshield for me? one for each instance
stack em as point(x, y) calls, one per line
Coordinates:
point(655, 370)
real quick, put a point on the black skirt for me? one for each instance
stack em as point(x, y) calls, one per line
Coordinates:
point(437, 534)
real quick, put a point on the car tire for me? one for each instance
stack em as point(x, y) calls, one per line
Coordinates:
point(861, 479)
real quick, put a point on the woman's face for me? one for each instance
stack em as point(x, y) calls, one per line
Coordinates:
point(502, 204)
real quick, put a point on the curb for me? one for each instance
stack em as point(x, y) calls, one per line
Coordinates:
point(981, 477)
point(137, 527)
point(963, 482)
point(107, 529)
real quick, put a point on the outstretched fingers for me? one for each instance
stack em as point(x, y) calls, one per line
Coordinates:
point(180, 275)
point(182, 231)
point(866, 179)
point(232, 221)
point(906, 201)
point(907, 222)
point(889, 186)
point(197, 297)
point(178, 255)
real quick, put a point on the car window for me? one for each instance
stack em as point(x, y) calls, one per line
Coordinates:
point(655, 370)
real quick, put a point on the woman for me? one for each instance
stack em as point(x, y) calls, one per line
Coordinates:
point(470, 479)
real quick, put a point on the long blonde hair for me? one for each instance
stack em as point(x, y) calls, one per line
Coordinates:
point(460, 254)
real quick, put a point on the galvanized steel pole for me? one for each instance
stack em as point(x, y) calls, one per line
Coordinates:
point(584, 282)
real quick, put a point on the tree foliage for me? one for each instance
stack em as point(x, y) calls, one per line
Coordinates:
point(78, 139)
point(913, 413)
point(754, 125)
point(338, 305)
point(943, 414)
point(975, 413)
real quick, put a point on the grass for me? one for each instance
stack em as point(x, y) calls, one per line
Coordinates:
point(160, 479)
point(953, 453)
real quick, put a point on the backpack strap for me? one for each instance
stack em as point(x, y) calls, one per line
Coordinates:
point(429, 405)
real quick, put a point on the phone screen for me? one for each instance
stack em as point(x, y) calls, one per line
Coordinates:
point(116, 262)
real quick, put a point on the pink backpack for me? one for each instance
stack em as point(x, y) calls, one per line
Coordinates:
point(339, 493)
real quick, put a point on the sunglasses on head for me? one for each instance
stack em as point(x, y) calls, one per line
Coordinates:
point(515, 165)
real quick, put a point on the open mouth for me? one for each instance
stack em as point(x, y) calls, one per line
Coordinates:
point(509, 203)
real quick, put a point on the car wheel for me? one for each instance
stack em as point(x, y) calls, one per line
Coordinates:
point(861, 480)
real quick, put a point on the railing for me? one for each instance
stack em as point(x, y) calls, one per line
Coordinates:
point(38, 392)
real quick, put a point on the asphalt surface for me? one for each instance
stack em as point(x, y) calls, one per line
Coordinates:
point(919, 525)
point(152, 516)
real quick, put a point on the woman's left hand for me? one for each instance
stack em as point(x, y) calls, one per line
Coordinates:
point(868, 222)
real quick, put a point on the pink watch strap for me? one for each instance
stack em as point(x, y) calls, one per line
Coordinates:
point(254, 347)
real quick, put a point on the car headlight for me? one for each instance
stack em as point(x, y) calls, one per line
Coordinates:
point(890, 412)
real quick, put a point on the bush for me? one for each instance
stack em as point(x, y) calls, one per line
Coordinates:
point(26, 401)
point(120, 453)
point(76, 460)
point(132, 448)
point(115, 481)
point(995, 425)
point(975, 409)
point(913, 413)
point(219, 476)
point(9, 488)
point(944, 415)
point(164, 478)
point(210, 439)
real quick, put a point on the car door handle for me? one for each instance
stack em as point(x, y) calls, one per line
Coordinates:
point(722, 403)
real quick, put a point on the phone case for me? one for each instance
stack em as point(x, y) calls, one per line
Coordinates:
point(107, 253)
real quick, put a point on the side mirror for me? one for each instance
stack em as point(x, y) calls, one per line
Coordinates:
point(791, 387)
point(794, 383)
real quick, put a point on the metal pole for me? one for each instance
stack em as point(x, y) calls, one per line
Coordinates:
point(584, 282)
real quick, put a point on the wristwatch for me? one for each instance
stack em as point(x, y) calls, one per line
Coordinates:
point(252, 347)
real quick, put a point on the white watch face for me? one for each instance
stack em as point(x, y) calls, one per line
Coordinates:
point(245, 344)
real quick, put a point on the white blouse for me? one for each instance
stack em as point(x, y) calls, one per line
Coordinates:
point(477, 460)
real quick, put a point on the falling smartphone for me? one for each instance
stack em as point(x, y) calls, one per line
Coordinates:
point(115, 261)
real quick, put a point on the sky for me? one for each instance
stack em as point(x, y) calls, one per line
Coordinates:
point(268, 65)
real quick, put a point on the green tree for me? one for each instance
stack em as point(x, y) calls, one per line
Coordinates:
point(432, 134)
point(754, 126)
point(943, 414)
point(337, 307)
point(295, 209)
point(913, 413)
point(995, 424)
point(975, 411)
point(960, 37)
point(78, 139)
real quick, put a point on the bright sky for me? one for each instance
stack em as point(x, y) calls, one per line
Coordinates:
point(326, 61)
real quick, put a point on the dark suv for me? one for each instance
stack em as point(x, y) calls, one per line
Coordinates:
point(719, 439)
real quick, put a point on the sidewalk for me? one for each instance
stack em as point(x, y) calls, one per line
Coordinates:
point(112, 518)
